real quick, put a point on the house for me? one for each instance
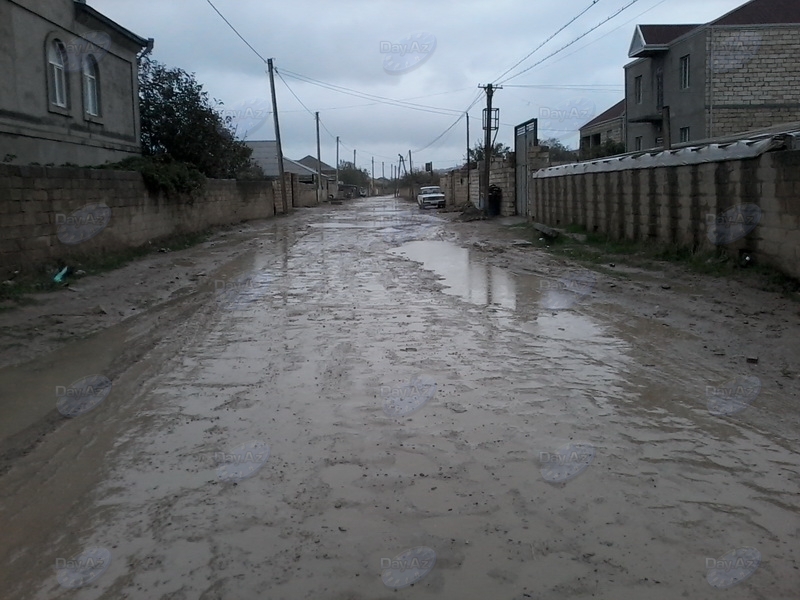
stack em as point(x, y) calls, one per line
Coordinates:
point(265, 155)
point(691, 82)
point(608, 126)
point(69, 90)
point(311, 162)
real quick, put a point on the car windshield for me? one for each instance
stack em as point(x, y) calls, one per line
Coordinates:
point(431, 190)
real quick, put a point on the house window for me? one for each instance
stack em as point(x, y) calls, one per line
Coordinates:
point(57, 58)
point(637, 89)
point(91, 88)
point(638, 143)
point(685, 78)
point(685, 134)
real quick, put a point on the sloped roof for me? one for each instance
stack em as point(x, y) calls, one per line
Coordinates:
point(311, 162)
point(653, 38)
point(265, 154)
point(82, 7)
point(615, 112)
point(762, 12)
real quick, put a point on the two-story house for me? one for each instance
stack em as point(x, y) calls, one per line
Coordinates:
point(68, 84)
point(691, 82)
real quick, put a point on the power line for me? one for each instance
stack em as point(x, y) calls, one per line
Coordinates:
point(264, 60)
point(577, 39)
point(527, 56)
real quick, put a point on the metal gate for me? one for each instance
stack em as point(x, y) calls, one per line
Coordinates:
point(526, 136)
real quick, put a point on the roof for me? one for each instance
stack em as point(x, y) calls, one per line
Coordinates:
point(82, 7)
point(615, 112)
point(762, 12)
point(648, 39)
point(311, 162)
point(265, 154)
point(747, 145)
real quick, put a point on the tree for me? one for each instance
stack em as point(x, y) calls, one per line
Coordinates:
point(351, 175)
point(498, 151)
point(608, 148)
point(180, 123)
point(559, 152)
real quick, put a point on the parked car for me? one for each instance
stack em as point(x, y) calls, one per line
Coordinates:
point(430, 195)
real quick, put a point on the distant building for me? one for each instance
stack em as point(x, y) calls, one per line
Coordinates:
point(735, 74)
point(311, 162)
point(69, 87)
point(608, 126)
point(265, 155)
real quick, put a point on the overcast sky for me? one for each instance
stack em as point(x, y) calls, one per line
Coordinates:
point(453, 46)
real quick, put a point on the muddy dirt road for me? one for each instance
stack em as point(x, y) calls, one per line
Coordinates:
point(368, 401)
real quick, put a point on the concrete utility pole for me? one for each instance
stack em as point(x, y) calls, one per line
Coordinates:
point(337, 167)
point(277, 137)
point(383, 171)
point(487, 149)
point(372, 182)
point(468, 169)
point(319, 163)
point(354, 158)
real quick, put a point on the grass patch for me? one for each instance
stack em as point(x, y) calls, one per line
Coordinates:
point(599, 249)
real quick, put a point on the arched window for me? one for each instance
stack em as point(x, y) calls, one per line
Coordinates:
point(91, 86)
point(57, 59)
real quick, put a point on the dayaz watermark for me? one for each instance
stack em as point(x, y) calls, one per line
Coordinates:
point(406, 391)
point(731, 391)
point(413, 47)
point(80, 564)
point(736, 219)
point(733, 563)
point(563, 114)
point(405, 564)
point(239, 458)
point(89, 219)
point(71, 392)
point(573, 457)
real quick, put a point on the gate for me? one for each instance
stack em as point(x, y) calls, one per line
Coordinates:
point(526, 136)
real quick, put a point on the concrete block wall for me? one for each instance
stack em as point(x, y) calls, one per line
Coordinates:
point(754, 77)
point(36, 201)
point(673, 204)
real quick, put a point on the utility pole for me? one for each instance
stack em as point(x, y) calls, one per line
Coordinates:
point(354, 158)
point(410, 164)
point(469, 189)
point(337, 167)
point(372, 183)
point(319, 163)
point(277, 136)
point(488, 126)
point(383, 171)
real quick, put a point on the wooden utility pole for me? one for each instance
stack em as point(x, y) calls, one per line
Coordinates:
point(319, 163)
point(277, 137)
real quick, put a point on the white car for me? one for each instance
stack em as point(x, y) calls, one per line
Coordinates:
point(431, 195)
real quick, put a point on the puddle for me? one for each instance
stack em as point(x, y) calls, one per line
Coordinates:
point(474, 282)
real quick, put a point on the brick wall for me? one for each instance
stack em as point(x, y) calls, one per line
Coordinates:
point(502, 173)
point(672, 204)
point(36, 205)
point(754, 78)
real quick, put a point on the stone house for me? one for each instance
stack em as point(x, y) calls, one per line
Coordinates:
point(695, 82)
point(605, 127)
point(69, 91)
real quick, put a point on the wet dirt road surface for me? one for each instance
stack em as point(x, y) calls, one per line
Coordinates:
point(363, 400)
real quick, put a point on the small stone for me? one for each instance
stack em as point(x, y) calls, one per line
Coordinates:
point(753, 360)
point(99, 310)
point(666, 286)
